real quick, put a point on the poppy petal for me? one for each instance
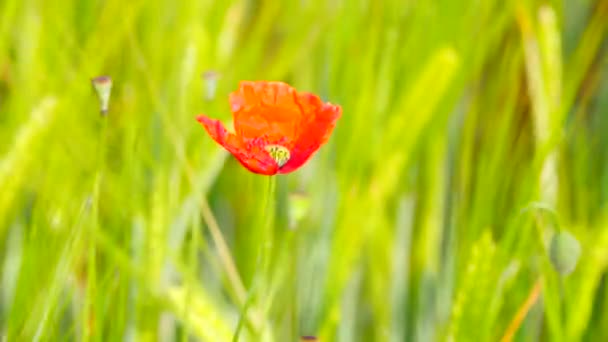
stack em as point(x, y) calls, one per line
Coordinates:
point(316, 132)
point(266, 109)
point(253, 157)
point(217, 131)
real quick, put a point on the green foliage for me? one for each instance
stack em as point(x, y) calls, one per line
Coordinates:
point(419, 220)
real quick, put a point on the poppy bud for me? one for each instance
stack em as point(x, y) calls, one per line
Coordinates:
point(210, 77)
point(103, 88)
point(299, 204)
point(564, 252)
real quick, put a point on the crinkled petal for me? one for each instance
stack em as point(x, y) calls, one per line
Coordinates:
point(266, 109)
point(253, 157)
point(314, 133)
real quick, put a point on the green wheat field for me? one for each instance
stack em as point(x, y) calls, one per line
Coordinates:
point(463, 195)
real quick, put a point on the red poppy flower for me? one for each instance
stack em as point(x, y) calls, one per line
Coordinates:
point(277, 129)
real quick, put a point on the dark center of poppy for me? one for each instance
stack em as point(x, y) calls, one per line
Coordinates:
point(279, 153)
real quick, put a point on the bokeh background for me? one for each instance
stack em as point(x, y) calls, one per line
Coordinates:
point(462, 197)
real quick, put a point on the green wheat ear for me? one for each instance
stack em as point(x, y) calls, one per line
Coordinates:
point(279, 153)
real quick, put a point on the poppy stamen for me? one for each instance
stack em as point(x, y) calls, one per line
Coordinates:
point(279, 153)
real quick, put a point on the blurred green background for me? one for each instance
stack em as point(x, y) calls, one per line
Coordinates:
point(472, 133)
